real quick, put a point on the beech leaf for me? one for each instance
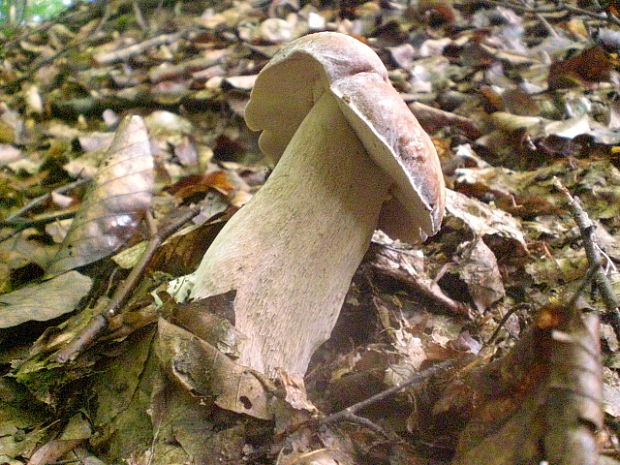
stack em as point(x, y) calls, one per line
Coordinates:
point(44, 301)
point(115, 204)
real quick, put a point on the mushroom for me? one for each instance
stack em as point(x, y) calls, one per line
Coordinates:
point(352, 158)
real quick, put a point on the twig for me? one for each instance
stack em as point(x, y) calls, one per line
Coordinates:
point(99, 323)
point(351, 410)
point(349, 413)
point(545, 23)
point(14, 221)
point(139, 16)
point(371, 425)
point(26, 223)
point(504, 320)
point(41, 28)
point(36, 65)
point(62, 462)
point(520, 8)
point(108, 58)
point(561, 6)
point(107, 12)
point(39, 200)
point(586, 229)
point(588, 278)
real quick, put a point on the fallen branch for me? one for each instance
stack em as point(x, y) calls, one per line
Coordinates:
point(350, 412)
point(123, 54)
point(99, 323)
point(561, 6)
point(586, 228)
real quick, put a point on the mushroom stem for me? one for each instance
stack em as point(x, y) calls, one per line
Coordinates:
point(291, 252)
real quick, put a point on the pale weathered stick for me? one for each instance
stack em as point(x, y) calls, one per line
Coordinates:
point(99, 323)
point(586, 227)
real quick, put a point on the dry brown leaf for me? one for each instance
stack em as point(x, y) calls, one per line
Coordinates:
point(204, 371)
point(194, 184)
point(212, 320)
point(542, 402)
point(44, 301)
point(477, 267)
point(115, 204)
point(591, 66)
point(401, 266)
point(53, 450)
point(483, 220)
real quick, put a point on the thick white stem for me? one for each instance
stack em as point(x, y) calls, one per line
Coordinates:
point(291, 252)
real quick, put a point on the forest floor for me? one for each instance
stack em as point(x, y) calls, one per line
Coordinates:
point(497, 341)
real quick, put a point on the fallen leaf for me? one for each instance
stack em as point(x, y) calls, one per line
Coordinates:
point(477, 267)
point(203, 370)
point(482, 219)
point(45, 301)
point(116, 202)
point(591, 66)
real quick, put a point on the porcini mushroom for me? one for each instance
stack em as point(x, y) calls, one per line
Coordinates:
point(352, 158)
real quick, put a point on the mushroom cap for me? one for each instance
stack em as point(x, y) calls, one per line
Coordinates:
point(302, 71)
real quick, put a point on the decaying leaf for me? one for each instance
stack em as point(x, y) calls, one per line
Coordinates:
point(590, 66)
point(205, 371)
point(401, 266)
point(512, 100)
point(115, 204)
point(483, 220)
point(477, 267)
point(595, 181)
point(51, 451)
point(540, 402)
point(212, 320)
point(44, 301)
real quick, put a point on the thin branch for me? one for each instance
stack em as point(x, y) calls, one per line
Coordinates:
point(350, 413)
point(586, 229)
point(43, 198)
point(587, 280)
point(600, 16)
point(503, 321)
point(547, 25)
point(43, 27)
point(371, 425)
point(107, 12)
point(16, 222)
point(99, 323)
point(351, 410)
point(139, 16)
point(558, 9)
point(519, 8)
point(116, 56)
point(27, 223)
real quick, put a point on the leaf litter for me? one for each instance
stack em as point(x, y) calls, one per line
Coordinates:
point(515, 96)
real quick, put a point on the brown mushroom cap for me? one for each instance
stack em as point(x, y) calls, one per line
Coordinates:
point(292, 82)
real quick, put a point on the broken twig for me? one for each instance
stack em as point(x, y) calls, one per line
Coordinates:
point(350, 412)
point(559, 8)
point(39, 200)
point(99, 323)
point(586, 228)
